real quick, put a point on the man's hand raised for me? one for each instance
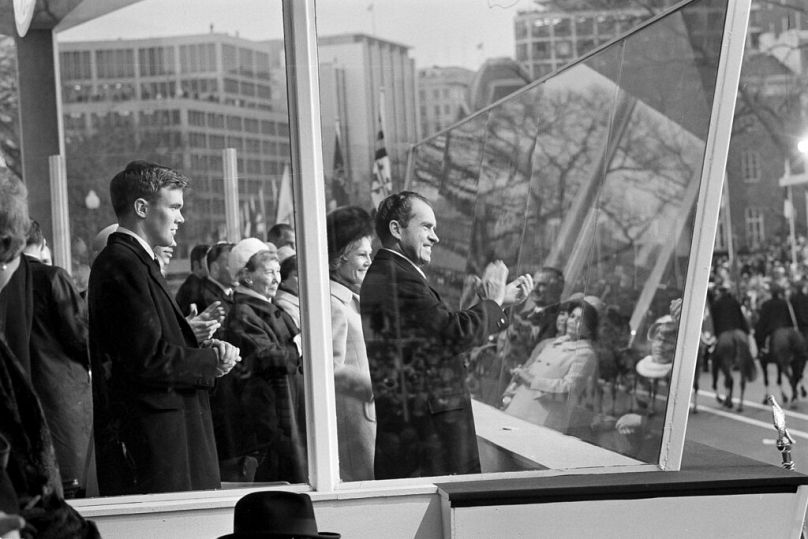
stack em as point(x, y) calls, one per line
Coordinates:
point(518, 289)
point(494, 285)
point(494, 282)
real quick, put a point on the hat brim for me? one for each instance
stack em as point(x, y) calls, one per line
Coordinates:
point(271, 535)
point(649, 368)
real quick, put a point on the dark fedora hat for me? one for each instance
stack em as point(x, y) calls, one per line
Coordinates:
point(271, 514)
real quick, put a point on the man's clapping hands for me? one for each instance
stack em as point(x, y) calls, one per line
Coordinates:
point(227, 353)
point(494, 287)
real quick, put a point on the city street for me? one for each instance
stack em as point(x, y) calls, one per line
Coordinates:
point(749, 433)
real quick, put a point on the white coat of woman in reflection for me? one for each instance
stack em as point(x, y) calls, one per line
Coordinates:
point(350, 230)
point(551, 384)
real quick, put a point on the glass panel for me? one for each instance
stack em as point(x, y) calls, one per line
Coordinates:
point(592, 174)
point(143, 92)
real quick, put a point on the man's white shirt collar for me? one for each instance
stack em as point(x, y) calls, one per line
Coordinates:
point(140, 240)
point(226, 289)
point(408, 260)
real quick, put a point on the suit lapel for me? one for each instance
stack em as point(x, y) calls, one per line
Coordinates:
point(154, 273)
point(406, 266)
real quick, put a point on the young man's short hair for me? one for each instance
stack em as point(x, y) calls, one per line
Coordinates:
point(141, 179)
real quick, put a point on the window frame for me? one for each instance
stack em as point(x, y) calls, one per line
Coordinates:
point(302, 72)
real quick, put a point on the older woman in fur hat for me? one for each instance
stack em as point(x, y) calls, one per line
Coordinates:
point(350, 230)
point(269, 343)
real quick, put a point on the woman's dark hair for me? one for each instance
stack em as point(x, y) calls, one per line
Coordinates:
point(589, 318)
point(288, 266)
point(345, 226)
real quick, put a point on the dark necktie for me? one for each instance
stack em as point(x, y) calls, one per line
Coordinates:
point(157, 265)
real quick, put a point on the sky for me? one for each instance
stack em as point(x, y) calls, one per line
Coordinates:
point(440, 32)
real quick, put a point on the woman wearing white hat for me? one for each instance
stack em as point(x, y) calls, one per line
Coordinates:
point(271, 426)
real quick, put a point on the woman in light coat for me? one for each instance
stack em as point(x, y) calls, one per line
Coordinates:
point(552, 384)
point(349, 253)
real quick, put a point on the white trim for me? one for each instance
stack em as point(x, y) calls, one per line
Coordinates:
point(701, 248)
point(302, 80)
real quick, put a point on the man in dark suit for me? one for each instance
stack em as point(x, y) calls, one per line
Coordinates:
point(415, 346)
point(190, 290)
point(60, 366)
point(158, 417)
point(218, 285)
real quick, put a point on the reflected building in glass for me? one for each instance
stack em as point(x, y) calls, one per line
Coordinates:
point(366, 84)
point(554, 35)
point(594, 172)
point(443, 97)
point(178, 101)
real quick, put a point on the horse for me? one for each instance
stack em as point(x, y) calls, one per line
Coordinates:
point(787, 350)
point(732, 351)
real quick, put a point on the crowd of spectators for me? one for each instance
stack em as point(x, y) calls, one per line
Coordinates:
point(146, 390)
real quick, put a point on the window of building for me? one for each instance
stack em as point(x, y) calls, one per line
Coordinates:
point(75, 122)
point(584, 26)
point(198, 58)
point(154, 61)
point(750, 166)
point(521, 52)
point(75, 65)
point(235, 142)
point(115, 63)
point(563, 27)
point(520, 30)
point(196, 118)
point(215, 120)
point(246, 58)
point(253, 145)
point(541, 50)
point(197, 140)
point(262, 66)
point(248, 88)
point(755, 226)
point(263, 91)
point(234, 123)
point(231, 86)
point(541, 28)
point(77, 93)
point(563, 48)
point(216, 142)
point(230, 59)
point(267, 127)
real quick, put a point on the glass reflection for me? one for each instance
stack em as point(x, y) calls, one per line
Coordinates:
point(589, 180)
point(180, 101)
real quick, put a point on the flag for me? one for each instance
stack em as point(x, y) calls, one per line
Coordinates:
point(260, 217)
point(339, 192)
point(286, 208)
point(381, 182)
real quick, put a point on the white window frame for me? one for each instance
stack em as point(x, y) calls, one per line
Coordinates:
point(310, 210)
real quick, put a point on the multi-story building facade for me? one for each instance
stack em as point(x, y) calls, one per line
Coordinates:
point(443, 96)
point(179, 100)
point(362, 77)
point(553, 35)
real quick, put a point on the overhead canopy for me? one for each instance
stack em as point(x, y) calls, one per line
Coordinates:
point(60, 14)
